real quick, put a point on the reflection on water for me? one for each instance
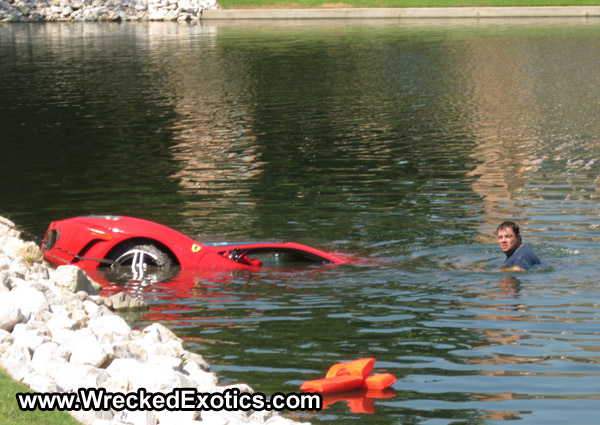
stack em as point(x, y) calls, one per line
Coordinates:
point(405, 143)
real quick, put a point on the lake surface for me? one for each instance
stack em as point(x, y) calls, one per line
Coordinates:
point(404, 143)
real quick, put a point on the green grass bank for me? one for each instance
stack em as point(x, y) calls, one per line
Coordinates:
point(12, 415)
point(242, 4)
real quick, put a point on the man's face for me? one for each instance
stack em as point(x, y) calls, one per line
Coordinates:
point(507, 240)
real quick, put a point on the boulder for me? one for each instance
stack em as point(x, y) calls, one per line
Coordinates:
point(135, 417)
point(31, 253)
point(68, 316)
point(16, 361)
point(123, 302)
point(29, 300)
point(70, 377)
point(10, 313)
point(177, 417)
point(200, 377)
point(47, 357)
point(61, 319)
point(110, 328)
point(7, 227)
point(74, 279)
point(189, 357)
point(88, 351)
point(5, 281)
point(30, 336)
point(40, 383)
point(6, 340)
point(128, 350)
point(151, 376)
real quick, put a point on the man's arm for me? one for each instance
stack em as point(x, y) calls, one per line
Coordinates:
point(513, 268)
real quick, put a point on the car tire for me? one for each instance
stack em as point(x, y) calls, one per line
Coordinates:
point(147, 254)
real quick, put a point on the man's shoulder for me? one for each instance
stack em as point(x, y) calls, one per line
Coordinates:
point(523, 257)
point(524, 250)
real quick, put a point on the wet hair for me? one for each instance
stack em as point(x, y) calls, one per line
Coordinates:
point(509, 225)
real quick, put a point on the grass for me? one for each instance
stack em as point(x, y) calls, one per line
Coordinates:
point(10, 414)
point(239, 4)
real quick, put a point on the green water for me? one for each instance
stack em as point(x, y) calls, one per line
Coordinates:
point(404, 143)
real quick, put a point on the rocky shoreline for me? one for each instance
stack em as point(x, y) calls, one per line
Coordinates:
point(103, 10)
point(58, 335)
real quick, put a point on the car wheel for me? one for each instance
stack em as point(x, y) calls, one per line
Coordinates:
point(144, 255)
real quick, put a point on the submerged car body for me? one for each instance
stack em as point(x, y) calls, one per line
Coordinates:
point(94, 241)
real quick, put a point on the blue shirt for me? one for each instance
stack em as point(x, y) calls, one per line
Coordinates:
point(522, 257)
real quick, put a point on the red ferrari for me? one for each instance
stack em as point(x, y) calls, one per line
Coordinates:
point(94, 241)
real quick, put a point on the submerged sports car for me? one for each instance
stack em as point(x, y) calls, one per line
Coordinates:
point(94, 241)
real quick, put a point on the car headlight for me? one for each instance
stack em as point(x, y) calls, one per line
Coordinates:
point(50, 239)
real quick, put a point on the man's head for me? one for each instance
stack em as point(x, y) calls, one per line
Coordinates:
point(509, 237)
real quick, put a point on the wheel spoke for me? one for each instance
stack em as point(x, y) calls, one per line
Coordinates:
point(137, 262)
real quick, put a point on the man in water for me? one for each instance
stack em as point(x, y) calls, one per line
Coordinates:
point(518, 256)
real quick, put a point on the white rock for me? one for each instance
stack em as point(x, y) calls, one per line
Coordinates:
point(16, 361)
point(217, 418)
point(91, 308)
point(161, 341)
point(11, 246)
point(61, 319)
point(273, 419)
point(123, 301)
point(17, 281)
point(6, 340)
point(47, 357)
point(5, 282)
point(39, 382)
point(88, 351)
point(135, 417)
point(19, 268)
point(6, 336)
point(29, 300)
point(171, 362)
point(10, 313)
point(70, 377)
point(37, 272)
point(169, 348)
point(201, 378)
point(74, 279)
point(153, 377)
point(127, 350)
point(177, 417)
point(7, 227)
point(157, 15)
point(30, 252)
point(189, 357)
point(157, 332)
point(110, 328)
point(90, 417)
point(68, 316)
point(62, 336)
point(30, 336)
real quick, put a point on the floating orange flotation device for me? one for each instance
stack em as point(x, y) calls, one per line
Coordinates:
point(360, 367)
point(349, 376)
point(379, 381)
point(335, 384)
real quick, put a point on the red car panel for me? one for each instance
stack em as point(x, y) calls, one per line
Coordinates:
point(92, 241)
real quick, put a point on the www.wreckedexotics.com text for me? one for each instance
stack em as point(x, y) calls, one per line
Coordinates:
point(99, 399)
